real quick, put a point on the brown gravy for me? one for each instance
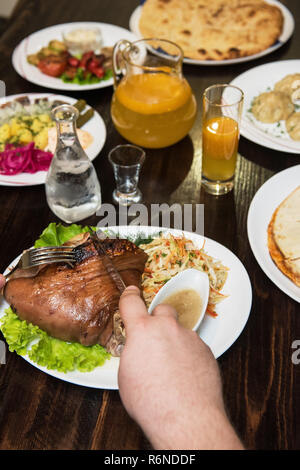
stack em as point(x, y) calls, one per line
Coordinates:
point(188, 304)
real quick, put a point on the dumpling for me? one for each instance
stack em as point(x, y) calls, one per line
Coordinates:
point(292, 125)
point(272, 106)
point(288, 84)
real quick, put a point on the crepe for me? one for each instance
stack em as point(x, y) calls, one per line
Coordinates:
point(284, 236)
point(216, 30)
point(85, 139)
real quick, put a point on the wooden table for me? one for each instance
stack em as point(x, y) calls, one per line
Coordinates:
point(261, 385)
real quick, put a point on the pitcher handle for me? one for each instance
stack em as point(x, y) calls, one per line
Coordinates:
point(119, 69)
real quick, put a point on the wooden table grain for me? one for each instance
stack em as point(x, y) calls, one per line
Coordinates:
point(261, 384)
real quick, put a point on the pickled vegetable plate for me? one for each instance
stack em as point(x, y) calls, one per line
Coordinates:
point(94, 126)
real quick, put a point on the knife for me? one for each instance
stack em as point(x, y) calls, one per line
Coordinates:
point(108, 264)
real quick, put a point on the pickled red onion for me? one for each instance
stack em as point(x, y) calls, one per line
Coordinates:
point(27, 159)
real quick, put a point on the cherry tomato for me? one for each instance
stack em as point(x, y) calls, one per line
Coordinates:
point(99, 72)
point(85, 58)
point(96, 69)
point(73, 61)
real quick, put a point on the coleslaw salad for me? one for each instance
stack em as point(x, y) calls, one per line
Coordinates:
point(167, 256)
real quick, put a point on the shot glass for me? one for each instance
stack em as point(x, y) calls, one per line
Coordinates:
point(127, 161)
point(222, 111)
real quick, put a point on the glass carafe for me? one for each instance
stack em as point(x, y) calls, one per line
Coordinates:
point(153, 105)
point(72, 187)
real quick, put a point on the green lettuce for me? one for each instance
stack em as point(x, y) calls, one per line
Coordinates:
point(25, 338)
point(57, 234)
point(83, 78)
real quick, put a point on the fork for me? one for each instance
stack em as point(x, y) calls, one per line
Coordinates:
point(45, 255)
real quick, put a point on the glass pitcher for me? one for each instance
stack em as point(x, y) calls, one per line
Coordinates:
point(72, 187)
point(153, 105)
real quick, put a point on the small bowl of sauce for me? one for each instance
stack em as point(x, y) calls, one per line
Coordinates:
point(81, 40)
point(188, 293)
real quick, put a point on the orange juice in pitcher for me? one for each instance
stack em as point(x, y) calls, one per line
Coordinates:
point(153, 105)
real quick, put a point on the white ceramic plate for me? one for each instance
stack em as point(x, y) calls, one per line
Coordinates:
point(261, 209)
point(95, 126)
point(33, 43)
point(258, 80)
point(219, 333)
point(288, 28)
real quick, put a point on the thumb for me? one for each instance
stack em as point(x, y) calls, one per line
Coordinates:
point(132, 307)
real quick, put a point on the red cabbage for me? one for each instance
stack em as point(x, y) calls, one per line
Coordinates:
point(28, 159)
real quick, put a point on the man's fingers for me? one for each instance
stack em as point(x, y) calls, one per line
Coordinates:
point(164, 310)
point(132, 307)
point(2, 281)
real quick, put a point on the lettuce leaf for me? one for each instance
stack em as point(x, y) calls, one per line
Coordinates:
point(57, 234)
point(25, 338)
point(83, 78)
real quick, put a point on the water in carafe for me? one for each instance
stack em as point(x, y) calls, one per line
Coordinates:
point(72, 187)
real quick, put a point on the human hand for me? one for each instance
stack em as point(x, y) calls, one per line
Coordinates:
point(169, 380)
point(2, 281)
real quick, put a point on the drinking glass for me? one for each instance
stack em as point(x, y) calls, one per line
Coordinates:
point(127, 161)
point(222, 111)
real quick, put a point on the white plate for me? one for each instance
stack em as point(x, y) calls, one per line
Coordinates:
point(95, 126)
point(258, 80)
point(219, 333)
point(288, 28)
point(33, 43)
point(261, 209)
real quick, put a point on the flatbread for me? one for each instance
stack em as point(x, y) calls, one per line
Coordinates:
point(284, 236)
point(213, 30)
